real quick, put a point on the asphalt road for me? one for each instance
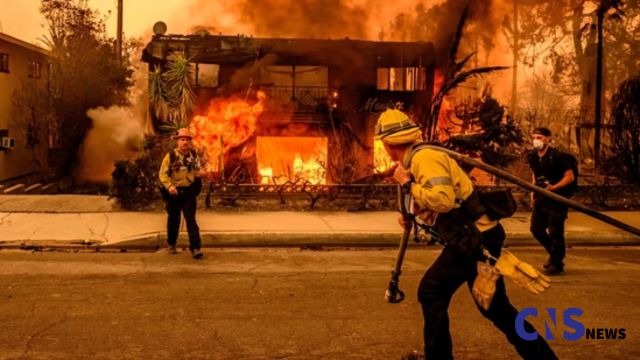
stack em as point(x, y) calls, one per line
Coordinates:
point(283, 304)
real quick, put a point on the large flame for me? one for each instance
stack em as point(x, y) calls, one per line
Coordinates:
point(227, 123)
point(289, 158)
point(310, 170)
point(381, 160)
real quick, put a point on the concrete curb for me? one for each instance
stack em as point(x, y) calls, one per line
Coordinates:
point(154, 241)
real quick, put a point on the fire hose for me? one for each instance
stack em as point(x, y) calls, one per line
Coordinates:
point(395, 295)
point(538, 190)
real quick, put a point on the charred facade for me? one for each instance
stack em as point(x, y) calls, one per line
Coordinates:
point(321, 94)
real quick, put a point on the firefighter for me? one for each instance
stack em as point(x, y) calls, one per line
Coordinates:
point(445, 195)
point(181, 184)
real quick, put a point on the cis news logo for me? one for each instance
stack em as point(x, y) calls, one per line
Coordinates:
point(570, 321)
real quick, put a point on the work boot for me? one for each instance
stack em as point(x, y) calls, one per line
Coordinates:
point(172, 249)
point(553, 270)
point(547, 263)
point(196, 254)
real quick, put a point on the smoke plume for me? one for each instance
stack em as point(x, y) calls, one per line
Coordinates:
point(285, 18)
point(117, 134)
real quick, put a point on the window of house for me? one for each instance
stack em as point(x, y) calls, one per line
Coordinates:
point(383, 79)
point(207, 75)
point(35, 70)
point(401, 78)
point(4, 62)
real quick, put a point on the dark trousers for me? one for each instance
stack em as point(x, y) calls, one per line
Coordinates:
point(186, 203)
point(450, 270)
point(547, 226)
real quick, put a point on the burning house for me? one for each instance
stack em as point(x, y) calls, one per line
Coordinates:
point(270, 110)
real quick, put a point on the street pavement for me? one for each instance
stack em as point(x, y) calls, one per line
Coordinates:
point(62, 221)
point(283, 303)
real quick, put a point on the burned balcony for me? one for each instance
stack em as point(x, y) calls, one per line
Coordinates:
point(272, 111)
point(302, 99)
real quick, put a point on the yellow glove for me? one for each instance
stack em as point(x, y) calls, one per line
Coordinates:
point(522, 273)
point(484, 286)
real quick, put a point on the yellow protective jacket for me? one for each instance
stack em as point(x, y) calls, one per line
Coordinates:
point(440, 184)
point(181, 174)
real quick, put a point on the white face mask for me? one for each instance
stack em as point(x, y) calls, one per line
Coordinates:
point(538, 144)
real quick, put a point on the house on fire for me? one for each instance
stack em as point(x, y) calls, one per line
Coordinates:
point(316, 88)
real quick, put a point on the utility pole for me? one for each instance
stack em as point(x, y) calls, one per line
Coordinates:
point(514, 83)
point(119, 35)
point(598, 112)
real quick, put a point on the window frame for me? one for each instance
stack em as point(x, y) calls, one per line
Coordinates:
point(4, 62)
point(35, 69)
point(413, 78)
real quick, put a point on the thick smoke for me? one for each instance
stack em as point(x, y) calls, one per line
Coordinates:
point(285, 18)
point(117, 134)
point(401, 20)
point(309, 18)
point(437, 23)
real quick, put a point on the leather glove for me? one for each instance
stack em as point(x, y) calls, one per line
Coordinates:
point(522, 273)
point(484, 286)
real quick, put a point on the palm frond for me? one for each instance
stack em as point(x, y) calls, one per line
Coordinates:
point(179, 79)
point(466, 75)
point(461, 64)
point(158, 93)
point(457, 37)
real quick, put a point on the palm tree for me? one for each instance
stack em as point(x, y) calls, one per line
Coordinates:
point(179, 79)
point(171, 92)
point(454, 76)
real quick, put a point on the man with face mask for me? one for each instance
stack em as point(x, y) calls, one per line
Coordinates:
point(553, 170)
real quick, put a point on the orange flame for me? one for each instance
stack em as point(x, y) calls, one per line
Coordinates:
point(288, 158)
point(438, 81)
point(381, 160)
point(266, 174)
point(310, 170)
point(231, 119)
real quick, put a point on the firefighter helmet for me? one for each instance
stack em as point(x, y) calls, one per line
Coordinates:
point(395, 127)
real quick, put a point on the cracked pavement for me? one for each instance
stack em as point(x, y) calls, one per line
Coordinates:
point(282, 304)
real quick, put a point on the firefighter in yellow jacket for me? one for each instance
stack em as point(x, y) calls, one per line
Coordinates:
point(444, 194)
point(181, 184)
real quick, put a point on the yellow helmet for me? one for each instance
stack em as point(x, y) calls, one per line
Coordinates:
point(395, 127)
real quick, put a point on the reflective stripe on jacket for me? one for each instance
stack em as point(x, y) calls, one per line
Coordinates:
point(180, 175)
point(440, 184)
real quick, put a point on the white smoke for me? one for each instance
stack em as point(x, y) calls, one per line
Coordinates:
point(117, 134)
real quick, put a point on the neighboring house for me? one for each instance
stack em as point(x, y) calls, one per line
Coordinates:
point(20, 63)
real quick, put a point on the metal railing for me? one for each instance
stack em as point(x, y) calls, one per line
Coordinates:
point(361, 196)
point(300, 99)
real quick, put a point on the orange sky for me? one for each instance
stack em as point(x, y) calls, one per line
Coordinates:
point(22, 19)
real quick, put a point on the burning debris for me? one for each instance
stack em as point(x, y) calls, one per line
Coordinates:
point(296, 110)
point(226, 124)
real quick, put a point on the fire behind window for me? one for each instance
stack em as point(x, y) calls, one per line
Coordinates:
point(290, 158)
point(402, 78)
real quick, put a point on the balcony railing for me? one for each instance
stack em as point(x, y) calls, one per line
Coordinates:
point(299, 99)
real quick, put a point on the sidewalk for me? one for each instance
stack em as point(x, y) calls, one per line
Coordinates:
point(79, 221)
